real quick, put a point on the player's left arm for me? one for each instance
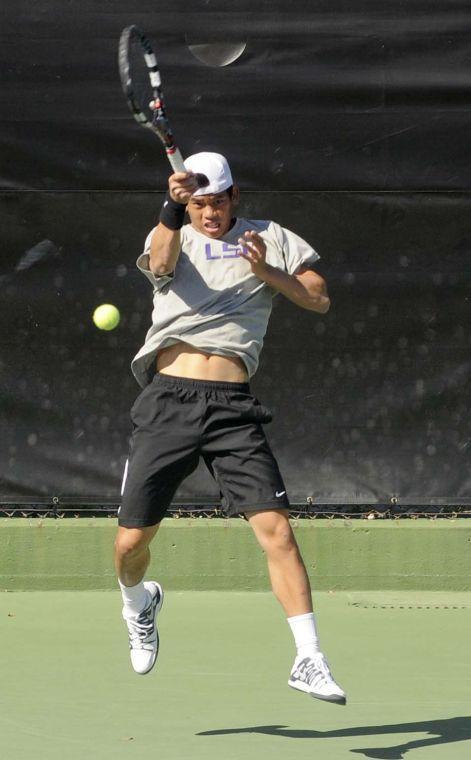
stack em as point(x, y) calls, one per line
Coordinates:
point(306, 288)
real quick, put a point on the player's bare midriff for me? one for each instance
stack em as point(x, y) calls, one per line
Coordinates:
point(183, 360)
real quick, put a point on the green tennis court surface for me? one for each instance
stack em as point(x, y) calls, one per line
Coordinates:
point(219, 688)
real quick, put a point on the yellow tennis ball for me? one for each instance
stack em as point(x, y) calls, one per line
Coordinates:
point(106, 316)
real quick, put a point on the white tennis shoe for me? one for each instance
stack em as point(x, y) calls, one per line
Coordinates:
point(143, 634)
point(312, 675)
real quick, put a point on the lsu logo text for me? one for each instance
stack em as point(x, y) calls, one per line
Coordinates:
point(226, 250)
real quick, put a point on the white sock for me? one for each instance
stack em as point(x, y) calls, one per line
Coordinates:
point(135, 598)
point(304, 631)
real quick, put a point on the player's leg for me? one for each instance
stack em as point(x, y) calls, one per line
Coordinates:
point(132, 554)
point(142, 600)
point(164, 450)
point(238, 456)
point(132, 557)
point(290, 584)
point(288, 576)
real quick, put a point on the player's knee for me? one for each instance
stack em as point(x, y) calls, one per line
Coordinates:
point(275, 534)
point(282, 538)
point(128, 546)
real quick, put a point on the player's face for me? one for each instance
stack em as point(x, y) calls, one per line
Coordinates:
point(212, 214)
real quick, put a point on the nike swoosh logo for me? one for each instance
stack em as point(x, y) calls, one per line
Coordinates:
point(280, 493)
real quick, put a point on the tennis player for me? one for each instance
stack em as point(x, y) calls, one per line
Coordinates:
point(214, 280)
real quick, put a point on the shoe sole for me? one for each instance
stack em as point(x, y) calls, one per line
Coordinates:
point(333, 699)
point(158, 607)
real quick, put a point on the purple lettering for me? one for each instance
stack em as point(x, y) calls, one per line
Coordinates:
point(207, 250)
point(228, 252)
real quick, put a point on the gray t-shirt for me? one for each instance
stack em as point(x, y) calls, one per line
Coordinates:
point(213, 300)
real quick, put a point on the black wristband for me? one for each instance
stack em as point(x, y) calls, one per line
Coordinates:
point(172, 213)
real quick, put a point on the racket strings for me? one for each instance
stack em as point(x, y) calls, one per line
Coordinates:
point(142, 85)
point(144, 94)
point(146, 86)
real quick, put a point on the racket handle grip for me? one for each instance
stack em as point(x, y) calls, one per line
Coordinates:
point(176, 162)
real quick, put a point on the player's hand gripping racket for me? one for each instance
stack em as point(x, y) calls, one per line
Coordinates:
point(142, 85)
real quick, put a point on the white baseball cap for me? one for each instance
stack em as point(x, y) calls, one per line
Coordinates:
point(214, 167)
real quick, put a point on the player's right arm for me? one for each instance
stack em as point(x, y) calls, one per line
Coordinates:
point(165, 242)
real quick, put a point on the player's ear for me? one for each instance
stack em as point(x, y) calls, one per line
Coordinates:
point(235, 195)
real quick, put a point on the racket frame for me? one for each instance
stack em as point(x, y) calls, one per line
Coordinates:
point(159, 123)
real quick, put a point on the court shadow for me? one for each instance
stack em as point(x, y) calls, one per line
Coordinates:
point(444, 731)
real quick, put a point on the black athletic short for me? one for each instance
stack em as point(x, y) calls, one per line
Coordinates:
point(175, 421)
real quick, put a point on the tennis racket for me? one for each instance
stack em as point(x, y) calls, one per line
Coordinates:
point(142, 86)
